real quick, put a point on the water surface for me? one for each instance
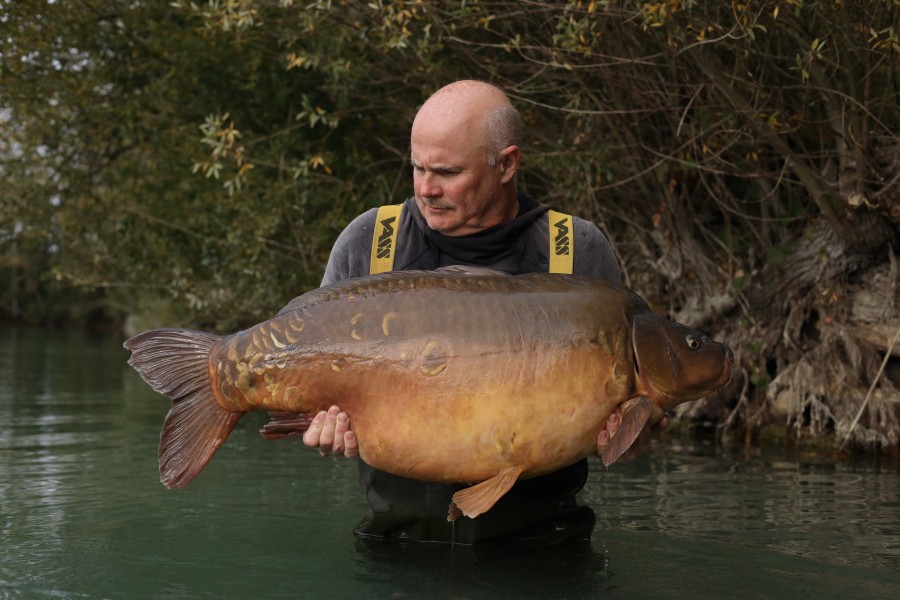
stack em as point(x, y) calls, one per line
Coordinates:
point(82, 513)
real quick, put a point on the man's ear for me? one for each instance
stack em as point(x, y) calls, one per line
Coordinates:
point(509, 163)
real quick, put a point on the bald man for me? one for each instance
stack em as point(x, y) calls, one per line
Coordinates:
point(466, 210)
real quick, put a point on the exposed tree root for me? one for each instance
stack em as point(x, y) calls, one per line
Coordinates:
point(814, 349)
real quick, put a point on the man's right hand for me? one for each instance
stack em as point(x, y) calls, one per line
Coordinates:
point(330, 432)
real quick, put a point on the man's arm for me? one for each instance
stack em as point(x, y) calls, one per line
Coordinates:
point(594, 255)
point(352, 251)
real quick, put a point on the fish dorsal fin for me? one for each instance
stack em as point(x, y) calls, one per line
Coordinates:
point(471, 270)
point(478, 499)
point(309, 298)
point(635, 414)
point(340, 288)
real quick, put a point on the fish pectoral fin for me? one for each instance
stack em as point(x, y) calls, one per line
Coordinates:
point(479, 498)
point(634, 417)
point(284, 424)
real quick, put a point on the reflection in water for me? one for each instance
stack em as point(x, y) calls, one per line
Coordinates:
point(575, 569)
point(807, 507)
point(82, 513)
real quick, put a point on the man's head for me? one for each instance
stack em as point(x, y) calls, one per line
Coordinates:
point(465, 156)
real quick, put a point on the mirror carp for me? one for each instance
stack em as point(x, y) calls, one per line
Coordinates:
point(458, 375)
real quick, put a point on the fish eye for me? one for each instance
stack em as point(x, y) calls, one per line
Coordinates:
point(693, 342)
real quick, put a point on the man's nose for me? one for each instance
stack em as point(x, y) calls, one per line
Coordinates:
point(428, 188)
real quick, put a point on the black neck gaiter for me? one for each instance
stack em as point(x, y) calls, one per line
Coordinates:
point(494, 247)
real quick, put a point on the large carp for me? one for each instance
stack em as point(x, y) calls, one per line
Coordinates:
point(457, 375)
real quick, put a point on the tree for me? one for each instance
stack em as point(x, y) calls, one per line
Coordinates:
point(742, 157)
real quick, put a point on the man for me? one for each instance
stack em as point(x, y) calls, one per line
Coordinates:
point(466, 211)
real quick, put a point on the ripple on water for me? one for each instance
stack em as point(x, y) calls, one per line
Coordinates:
point(841, 514)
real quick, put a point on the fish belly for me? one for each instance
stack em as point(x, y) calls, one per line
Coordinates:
point(482, 420)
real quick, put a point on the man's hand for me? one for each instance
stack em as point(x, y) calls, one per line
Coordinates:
point(640, 445)
point(330, 433)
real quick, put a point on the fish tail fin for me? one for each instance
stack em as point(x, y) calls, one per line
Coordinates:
point(175, 362)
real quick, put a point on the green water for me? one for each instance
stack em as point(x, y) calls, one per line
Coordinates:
point(82, 514)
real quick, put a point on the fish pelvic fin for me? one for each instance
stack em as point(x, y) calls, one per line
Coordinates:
point(284, 424)
point(478, 499)
point(175, 362)
point(635, 415)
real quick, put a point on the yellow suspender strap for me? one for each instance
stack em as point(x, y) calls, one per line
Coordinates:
point(562, 242)
point(384, 239)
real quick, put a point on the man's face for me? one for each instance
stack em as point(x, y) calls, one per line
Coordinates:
point(456, 190)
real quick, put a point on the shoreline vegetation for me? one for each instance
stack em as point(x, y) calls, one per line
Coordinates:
point(191, 164)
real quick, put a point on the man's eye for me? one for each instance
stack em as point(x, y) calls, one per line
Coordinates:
point(438, 172)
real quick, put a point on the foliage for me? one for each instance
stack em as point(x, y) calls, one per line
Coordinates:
point(209, 152)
